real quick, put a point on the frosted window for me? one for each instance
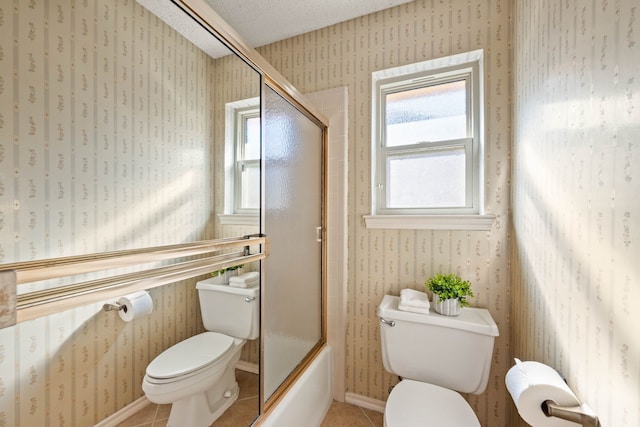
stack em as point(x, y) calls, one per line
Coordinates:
point(252, 138)
point(250, 182)
point(426, 114)
point(435, 178)
point(247, 169)
point(427, 137)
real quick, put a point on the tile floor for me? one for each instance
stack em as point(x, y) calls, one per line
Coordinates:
point(245, 410)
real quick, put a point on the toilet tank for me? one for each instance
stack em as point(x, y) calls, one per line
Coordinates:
point(230, 310)
point(452, 352)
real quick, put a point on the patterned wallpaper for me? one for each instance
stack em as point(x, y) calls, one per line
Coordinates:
point(104, 144)
point(233, 80)
point(385, 261)
point(576, 182)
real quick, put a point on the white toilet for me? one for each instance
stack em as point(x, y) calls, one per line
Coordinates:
point(197, 375)
point(436, 356)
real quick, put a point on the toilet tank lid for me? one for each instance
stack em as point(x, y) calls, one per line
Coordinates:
point(210, 286)
point(472, 319)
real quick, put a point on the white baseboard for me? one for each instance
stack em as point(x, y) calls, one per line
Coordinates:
point(365, 402)
point(124, 413)
point(247, 367)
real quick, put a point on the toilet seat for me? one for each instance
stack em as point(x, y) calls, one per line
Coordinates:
point(189, 357)
point(416, 404)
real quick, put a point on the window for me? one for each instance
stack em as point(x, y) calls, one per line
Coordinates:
point(242, 162)
point(247, 161)
point(427, 138)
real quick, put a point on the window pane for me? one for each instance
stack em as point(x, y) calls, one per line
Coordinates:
point(250, 198)
point(432, 113)
point(252, 138)
point(433, 179)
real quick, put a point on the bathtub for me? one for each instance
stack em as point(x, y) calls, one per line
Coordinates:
point(308, 400)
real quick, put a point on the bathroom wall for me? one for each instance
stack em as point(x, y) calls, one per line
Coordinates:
point(234, 80)
point(576, 181)
point(104, 143)
point(385, 261)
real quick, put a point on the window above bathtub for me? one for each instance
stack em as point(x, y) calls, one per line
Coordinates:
point(427, 145)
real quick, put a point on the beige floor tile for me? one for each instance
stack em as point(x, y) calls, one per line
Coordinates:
point(163, 412)
point(245, 410)
point(344, 414)
point(144, 416)
point(248, 384)
point(376, 418)
point(241, 413)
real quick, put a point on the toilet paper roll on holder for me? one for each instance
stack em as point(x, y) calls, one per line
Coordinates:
point(582, 414)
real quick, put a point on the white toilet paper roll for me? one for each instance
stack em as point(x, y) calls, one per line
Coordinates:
point(135, 305)
point(530, 384)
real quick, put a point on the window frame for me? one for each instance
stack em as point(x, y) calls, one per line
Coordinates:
point(241, 115)
point(467, 66)
point(232, 186)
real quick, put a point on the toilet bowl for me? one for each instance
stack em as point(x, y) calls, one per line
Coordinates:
point(436, 357)
point(205, 372)
point(413, 403)
point(197, 375)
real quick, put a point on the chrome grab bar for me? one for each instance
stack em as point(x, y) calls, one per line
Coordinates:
point(582, 414)
point(391, 323)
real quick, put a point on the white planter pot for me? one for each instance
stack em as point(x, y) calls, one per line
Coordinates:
point(218, 280)
point(448, 307)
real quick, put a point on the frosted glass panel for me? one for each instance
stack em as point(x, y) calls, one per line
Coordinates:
point(292, 212)
point(430, 113)
point(250, 182)
point(407, 175)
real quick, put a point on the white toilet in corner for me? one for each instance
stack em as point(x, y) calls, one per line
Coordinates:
point(197, 375)
point(436, 357)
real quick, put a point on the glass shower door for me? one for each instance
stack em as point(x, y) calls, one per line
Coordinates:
point(292, 215)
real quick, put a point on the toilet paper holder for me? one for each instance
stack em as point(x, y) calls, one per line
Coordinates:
point(582, 414)
point(114, 307)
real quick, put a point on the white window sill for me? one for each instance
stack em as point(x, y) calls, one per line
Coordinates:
point(430, 222)
point(239, 219)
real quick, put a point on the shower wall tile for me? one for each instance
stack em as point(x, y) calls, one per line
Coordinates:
point(93, 157)
point(385, 261)
point(576, 211)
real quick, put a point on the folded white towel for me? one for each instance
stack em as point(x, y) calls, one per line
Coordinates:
point(246, 280)
point(414, 301)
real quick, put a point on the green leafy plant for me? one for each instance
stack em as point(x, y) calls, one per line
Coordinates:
point(222, 270)
point(448, 286)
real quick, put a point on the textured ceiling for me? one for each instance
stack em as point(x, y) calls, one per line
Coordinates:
point(261, 22)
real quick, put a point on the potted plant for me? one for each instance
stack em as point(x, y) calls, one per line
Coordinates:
point(223, 275)
point(449, 293)
point(218, 277)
